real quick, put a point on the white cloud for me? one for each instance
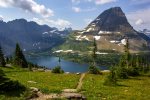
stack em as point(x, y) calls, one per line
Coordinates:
point(28, 6)
point(101, 2)
point(139, 22)
point(1, 18)
point(140, 19)
point(76, 1)
point(60, 23)
point(97, 2)
point(76, 9)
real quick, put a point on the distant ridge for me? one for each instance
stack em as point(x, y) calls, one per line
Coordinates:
point(30, 35)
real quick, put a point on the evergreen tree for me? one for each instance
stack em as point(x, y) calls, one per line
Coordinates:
point(7, 85)
point(112, 77)
point(7, 60)
point(127, 54)
point(93, 69)
point(2, 59)
point(59, 61)
point(94, 52)
point(122, 70)
point(19, 58)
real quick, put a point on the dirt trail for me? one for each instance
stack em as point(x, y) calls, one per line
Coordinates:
point(80, 81)
point(65, 93)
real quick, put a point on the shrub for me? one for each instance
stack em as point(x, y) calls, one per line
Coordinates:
point(122, 72)
point(57, 69)
point(133, 71)
point(93, 70)
point(111, 78)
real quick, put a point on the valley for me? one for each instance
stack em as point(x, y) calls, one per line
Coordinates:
point(46, 57)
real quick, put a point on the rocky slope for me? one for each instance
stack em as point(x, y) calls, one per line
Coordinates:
point(110, 29)
point(29, 35)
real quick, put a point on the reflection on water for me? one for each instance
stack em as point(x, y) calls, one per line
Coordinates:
point(67, 66)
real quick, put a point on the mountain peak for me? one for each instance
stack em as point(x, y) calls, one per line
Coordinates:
point(113, 20)
point(117, 10)
point(21, 20)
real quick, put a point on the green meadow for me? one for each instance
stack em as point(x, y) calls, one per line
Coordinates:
point(134, 88)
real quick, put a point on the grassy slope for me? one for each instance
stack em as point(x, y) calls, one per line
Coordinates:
point(137, 88)
point(47, 82)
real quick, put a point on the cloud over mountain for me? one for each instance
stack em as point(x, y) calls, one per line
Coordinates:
point(61, 23)
point(140, 18)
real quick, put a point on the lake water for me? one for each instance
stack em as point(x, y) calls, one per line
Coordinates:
point(67, 66)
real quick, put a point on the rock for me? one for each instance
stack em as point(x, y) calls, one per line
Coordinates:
point(67, 72)
point(78, 73)
point(34, 89)
point(32, 82)
point(70, 90)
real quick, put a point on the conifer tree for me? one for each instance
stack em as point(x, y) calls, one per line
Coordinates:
point(94, 52)
point(93, 69)
point(2, 59)
point(59, 61)
point(112, 77)
point(124, 63)
point(127, 54)
point(19, 58)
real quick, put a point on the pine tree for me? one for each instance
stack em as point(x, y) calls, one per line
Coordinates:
point(2, 59)
point(94, 52)
point(93, 69)
point(127, 54)
point(19, 58)
point(59, 61)
point(7, 85)
point(112, 77)
point(122, 70)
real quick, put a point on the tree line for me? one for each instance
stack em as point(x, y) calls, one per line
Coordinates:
point(18, 59)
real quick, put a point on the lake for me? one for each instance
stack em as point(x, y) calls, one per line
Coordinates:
point(67, 66)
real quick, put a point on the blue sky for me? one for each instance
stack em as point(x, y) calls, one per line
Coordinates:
point(73, 13)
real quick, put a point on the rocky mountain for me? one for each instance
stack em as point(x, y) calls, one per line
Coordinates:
point(110, 29)
point(29, 35)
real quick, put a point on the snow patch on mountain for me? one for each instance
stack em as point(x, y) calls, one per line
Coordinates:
point(79, 38)
point(123, 41)
point(97, 37)
point(114, 41)
point(100, 53)
point(65, 51)
point(45, 33)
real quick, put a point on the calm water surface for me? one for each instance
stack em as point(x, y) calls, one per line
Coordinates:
point(67, 66)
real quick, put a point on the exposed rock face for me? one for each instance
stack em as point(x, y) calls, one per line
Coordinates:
point(112, 19)
point(110, 29)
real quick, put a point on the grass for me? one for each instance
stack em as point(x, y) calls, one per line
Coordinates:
point(47, 82)
point(135, 88)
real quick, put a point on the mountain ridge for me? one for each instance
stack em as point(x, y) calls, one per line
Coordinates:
point(30, 35)
point(110, 29)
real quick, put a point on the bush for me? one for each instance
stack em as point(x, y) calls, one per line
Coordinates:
point(133, 71)
point(94, 70)
point(122, 72)
point(57, 69)
point(111, 78)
